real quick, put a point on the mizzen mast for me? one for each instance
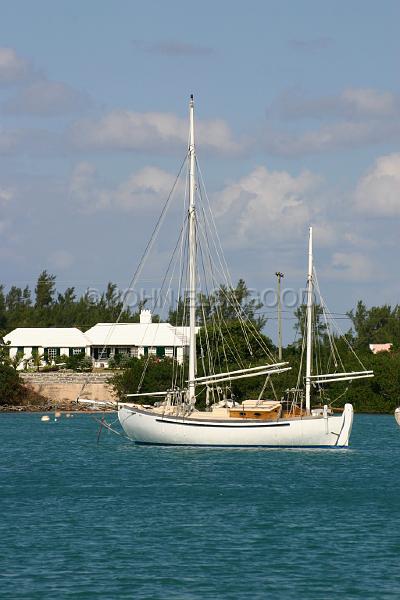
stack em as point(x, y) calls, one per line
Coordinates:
point(192, 256)
point(309, 322)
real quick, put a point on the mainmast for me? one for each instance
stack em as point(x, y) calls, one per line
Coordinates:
point(309, 322)
point(192, 256)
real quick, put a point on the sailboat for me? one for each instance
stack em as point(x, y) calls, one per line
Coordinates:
point(174, 419)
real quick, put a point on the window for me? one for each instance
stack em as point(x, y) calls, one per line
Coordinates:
point(160, 351)
point(100, 353)
point(149, 351)
point(76, 351)
point(126, 351)
point(52, 353)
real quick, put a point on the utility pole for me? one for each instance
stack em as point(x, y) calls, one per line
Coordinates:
point(279, 276)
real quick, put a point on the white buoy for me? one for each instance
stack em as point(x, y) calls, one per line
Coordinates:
point(45, 418)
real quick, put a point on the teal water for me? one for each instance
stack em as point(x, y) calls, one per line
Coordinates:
point(81, 520)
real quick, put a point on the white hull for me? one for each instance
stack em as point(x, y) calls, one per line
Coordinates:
point(397, 415)
point(147, 427)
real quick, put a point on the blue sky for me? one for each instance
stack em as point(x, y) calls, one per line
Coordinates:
point(297, 105)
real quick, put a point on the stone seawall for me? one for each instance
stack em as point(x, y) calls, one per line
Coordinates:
point(64, 387)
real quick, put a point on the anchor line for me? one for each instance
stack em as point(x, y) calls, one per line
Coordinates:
point(103, 423)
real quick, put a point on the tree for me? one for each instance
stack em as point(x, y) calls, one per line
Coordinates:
point(68, 298)
point(231, 343)
point(45, 290)
point(158, 376)
point(11, 389)
point(14, 298)
point(379, 324)
point(225, 304)
point(319, 326)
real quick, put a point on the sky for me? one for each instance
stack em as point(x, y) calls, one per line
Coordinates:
point(297, 124)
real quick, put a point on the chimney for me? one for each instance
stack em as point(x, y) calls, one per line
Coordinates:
point(145, 316)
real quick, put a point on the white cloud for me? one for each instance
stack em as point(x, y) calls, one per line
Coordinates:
point(351, 103)
point(145, 190)
point(355, 117)
point(344, 134)
point(378, 191)
point(355, 267)
point(7, 194)
point(127, 130)
point(267, 205)
point(13, 68)
point(369, 102)
point(47, 98)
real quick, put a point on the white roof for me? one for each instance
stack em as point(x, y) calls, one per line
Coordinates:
point(138, 334)
point(47, 337)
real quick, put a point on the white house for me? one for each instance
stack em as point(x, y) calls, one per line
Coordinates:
point(137, 339)
point(376, 348)
point(101, 342)
point(48, 342)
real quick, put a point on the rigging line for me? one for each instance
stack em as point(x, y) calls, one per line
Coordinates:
point(229, 279)
point(273, 389)
point(303, 348)
point(244, 320)
point(340, 395)
point(345, 339)
point(225, 269)
point(162, 308)
point(334, 350)
point(157, 227)
point(164, 303)
point(218, 310)
point(152, 237)
point(268, 377)
point(183, 253)
point(208, 345)
point(318, 346)
point(165, 299)
point(217, 333)
point(213, 309)
point(202, 305)
point(170, 262)
point(231, 299)
point(215, 325)
point(142, 259)
point(184, 240)
point(107, 425)
point(181, 301)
